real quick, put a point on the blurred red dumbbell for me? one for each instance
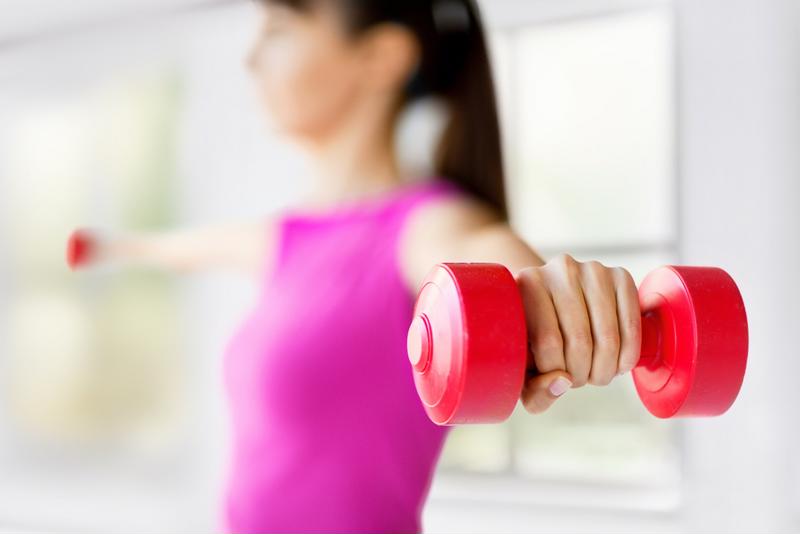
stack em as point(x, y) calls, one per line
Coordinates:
point(81, 249)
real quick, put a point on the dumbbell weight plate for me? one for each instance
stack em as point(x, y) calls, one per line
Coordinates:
point(467, 343)
point(80, 248)
point(698, 315)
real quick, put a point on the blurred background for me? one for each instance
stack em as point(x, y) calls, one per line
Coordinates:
point(638, 132)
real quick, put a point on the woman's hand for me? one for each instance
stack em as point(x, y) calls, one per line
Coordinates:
point(243, 246)
point(584, 326)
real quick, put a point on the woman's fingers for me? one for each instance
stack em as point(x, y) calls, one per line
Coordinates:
point(541, 391)
point(600, 296)
point(629, 317)
point(583, 320)
point(545, 345)
point(564, 283)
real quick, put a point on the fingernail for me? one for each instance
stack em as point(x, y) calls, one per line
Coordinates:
point(559, 386)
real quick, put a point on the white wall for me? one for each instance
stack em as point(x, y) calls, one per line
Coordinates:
point(740, 170)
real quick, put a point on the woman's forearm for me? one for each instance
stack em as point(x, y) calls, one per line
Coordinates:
point(237, 246)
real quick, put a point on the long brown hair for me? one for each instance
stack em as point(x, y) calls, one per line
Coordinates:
point(455, 66)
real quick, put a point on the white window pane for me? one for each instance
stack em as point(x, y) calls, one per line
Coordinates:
point(478, 448)
point(94, 375)
point(591, 156)
point(597, 434)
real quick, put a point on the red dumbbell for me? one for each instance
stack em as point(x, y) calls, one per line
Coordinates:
point(468, 343)
point(81, 249)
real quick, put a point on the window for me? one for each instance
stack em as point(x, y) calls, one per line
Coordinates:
point(109, 150)
point(92, 365)
point(112, 409)
point(591, 156)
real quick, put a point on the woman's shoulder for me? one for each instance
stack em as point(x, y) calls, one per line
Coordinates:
point(442, 215)
point(432, 227)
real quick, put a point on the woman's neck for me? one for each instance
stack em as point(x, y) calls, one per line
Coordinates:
point(357, 161)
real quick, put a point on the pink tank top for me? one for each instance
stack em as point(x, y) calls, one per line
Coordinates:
point(328, 433)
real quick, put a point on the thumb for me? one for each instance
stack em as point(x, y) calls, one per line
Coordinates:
point(541, 391)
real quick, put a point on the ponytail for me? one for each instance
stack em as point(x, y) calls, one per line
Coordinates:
point(470, 152)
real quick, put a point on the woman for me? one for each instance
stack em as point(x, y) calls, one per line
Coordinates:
point(329, 434)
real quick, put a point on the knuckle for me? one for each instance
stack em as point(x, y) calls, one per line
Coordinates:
point(548, 342)
point(595, 267)
point(563, 262)
point(632, 327)
point(528, 277)
point(608, 339)
point(580, 340)
point(528, 273)
point(572, 269)
point(623, 275)
point(564, 259)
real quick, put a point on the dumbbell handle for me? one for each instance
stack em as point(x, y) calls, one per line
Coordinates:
point(650, 355)
point(420, 343)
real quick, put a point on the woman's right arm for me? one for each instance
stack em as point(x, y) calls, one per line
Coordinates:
point(240, 247)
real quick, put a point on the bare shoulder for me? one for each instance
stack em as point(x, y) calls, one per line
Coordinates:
point(435, 230)
point(444, 216)
point(459, 229)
